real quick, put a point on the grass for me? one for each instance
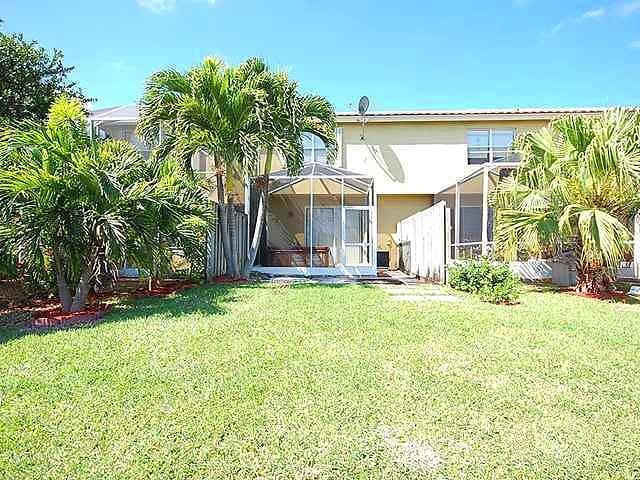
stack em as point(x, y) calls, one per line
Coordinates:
point(266, 381)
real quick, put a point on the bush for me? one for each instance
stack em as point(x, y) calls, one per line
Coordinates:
point(493, 282)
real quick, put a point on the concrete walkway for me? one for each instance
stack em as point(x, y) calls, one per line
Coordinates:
point(410, 289)
point(400, 286)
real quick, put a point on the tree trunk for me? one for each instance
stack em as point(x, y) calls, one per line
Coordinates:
point(64, 293)
point(257, 233)
point(262, 184)
point(83, 287)
point(233, 236)
point(233, 226)
point(223, 223)
point(154, 274)
point(592, 279)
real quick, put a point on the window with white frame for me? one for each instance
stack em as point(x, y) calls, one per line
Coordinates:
point(486, 145)
point(314, 149)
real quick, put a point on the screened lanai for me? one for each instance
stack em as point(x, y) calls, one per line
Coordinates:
point(472, 216)
point(321, 221)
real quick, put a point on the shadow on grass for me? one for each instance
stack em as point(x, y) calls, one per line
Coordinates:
point(612, 298)
point(204, 299)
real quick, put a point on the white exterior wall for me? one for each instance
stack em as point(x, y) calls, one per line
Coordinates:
point(414, 157)
point(125, 131)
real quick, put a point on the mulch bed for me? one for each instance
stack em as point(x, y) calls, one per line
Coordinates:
point(616, 295)
point(226, 279)
point(56, 318)
point(47, 314)
point(167, 288)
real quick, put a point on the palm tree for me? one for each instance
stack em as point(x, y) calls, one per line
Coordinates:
point(576, 190)
point(279, 123)
point(175, 217)
point(207, 109)
point(73, 206)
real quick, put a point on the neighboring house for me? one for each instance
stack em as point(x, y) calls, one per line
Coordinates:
point(393, 166)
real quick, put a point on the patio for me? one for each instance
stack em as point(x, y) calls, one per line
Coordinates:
point(320, 222)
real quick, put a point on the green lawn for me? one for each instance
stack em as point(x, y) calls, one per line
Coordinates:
point(267, 381)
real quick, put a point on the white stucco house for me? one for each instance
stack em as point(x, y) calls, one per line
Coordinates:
point(343, 218)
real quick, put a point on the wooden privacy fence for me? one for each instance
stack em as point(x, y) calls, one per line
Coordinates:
point(216, 265)
point(424, 243)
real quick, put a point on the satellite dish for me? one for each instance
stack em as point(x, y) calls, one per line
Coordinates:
point(363, 105)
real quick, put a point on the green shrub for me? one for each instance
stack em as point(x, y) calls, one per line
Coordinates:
point(493, 282)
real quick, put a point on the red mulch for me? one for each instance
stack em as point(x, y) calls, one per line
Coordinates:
point(228, 279)
point(162, 290)
point(56, 318)
point(615, 295)
point(48, 314)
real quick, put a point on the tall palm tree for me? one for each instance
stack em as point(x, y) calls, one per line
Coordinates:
point(70, 204)
point(279, 124)
point(577, 189)
point(207, 109)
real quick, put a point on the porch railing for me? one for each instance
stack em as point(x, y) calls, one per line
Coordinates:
point(466, 250)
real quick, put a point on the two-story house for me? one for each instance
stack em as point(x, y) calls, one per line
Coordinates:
point(342, 218)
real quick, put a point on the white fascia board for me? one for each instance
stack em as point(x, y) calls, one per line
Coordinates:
point(461, 116)
point(113, 119)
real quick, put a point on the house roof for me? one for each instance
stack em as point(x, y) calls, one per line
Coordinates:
point(466, 115)
point(121, 113)
point(129, 113)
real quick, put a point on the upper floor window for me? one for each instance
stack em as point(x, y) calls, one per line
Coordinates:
point(490, 145)
point(314, 149)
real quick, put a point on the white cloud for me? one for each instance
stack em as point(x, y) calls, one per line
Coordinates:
point(555, 30)
point(595, 13)
point(635, 44)
point(157, 6)
point(165, 6)
point(567, 22)
point(629, 8)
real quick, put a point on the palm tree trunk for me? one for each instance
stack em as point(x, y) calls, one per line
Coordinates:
point(84, 285)
point(64, 293)
point(592, 279)
point(223, 221)
point(233, 226)
point(263, 186)
point(257, 233)
point(233, 238)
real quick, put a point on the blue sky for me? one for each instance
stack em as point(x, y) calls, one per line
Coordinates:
point(404, 54)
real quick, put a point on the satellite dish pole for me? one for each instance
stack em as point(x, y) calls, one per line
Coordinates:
point(363, 106)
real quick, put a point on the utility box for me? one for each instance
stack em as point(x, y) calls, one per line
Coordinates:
point(563, 273)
